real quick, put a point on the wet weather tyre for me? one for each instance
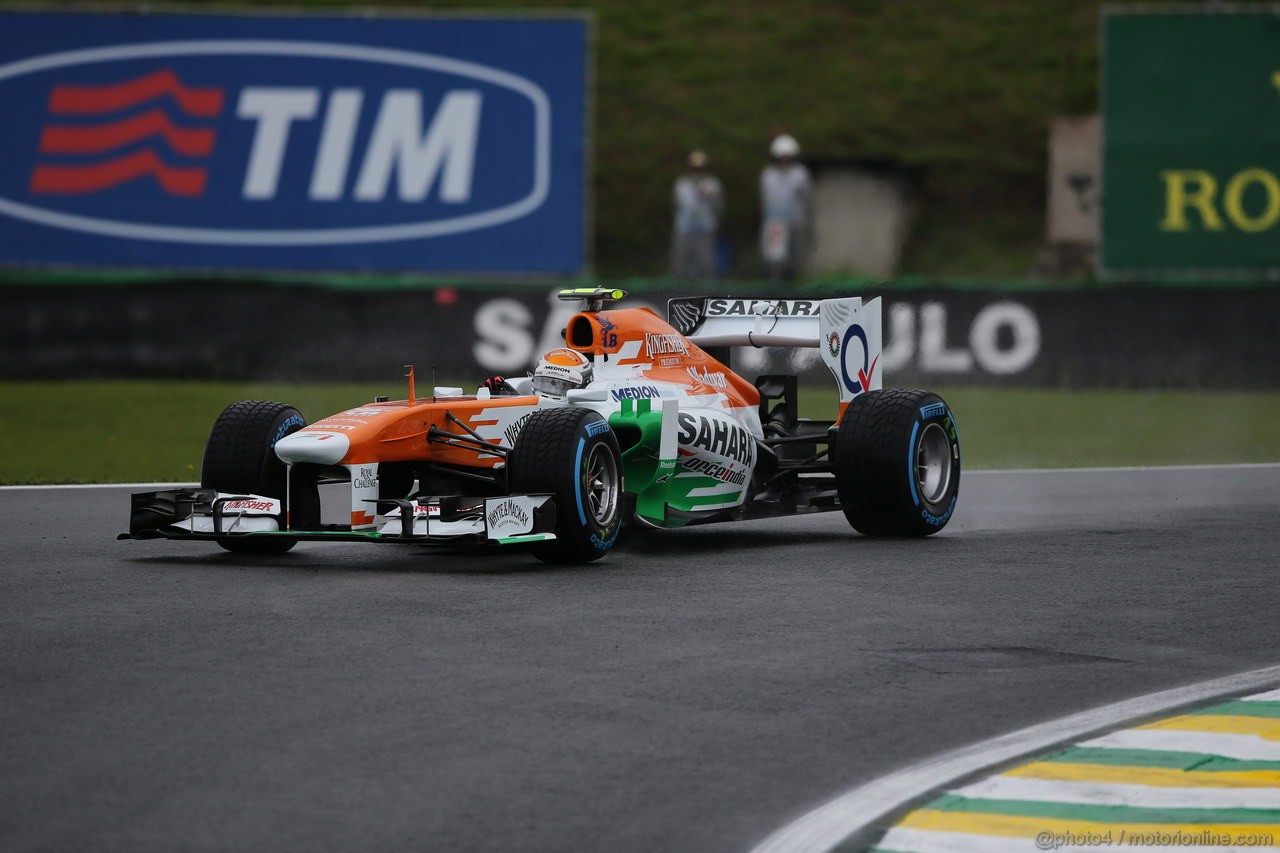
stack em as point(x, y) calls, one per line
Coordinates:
point(897, 463)
point(240, 458)
point(573, 454)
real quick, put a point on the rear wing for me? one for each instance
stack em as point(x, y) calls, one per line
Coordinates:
point(847, 331)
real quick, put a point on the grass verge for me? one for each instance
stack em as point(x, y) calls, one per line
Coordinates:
point(127, 431)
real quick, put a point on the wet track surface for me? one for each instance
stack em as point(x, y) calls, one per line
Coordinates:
point(694, 692)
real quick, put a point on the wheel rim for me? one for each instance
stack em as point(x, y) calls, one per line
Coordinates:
point(933, 463)
point(602, 484)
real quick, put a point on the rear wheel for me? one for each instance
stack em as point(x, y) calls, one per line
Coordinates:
point(240, 458)
point(573, 454)
point(897, 463)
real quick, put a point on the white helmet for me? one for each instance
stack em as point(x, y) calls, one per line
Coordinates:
point(560, 371)
point(785, 146)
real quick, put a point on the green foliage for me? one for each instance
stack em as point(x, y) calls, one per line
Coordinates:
point(121, 431)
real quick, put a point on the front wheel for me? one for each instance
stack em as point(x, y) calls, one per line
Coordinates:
point(573, 454)
point(240, 458)
point(897, 463)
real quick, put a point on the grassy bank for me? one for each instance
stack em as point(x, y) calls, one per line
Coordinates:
point(96, 432)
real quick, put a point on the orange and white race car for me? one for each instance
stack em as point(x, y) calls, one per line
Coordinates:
point(635, 418)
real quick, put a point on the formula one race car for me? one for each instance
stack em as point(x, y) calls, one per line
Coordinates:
point(636, 418)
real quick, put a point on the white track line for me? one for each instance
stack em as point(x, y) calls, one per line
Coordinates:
point(101, 486)
point(1239, 747)
point(1123, 468)
point(826, 826)
point(1146, 796)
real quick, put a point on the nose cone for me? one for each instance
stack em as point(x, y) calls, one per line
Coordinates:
point(323, 448)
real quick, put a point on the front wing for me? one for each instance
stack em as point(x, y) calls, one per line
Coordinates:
point(205, 514)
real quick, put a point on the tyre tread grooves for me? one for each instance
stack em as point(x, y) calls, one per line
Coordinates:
point(872, 440)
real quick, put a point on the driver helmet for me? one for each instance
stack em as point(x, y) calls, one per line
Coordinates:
point(559, 372)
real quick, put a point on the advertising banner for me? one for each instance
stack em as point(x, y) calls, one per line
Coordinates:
point(1191, 154)
point(300, 142)
point(1124, 337)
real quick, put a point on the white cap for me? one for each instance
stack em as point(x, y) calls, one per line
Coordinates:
point(784, 146)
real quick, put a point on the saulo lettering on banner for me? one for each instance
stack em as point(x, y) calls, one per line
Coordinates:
point(1003, 339)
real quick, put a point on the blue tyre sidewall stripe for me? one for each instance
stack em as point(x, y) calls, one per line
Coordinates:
point(911, 462)
point(911, 454)
point(577, 481)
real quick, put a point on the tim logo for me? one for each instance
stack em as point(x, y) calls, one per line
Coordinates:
point(90, 143)
point(260, 143)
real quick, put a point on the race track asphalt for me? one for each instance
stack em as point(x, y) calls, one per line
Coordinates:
point(694, 692)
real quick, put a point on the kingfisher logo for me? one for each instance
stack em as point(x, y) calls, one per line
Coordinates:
point(432, 130)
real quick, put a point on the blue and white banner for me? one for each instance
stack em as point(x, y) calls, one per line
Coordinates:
point(192, 141)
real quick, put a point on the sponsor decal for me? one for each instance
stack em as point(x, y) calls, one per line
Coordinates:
point(365, 478)
point(715, 380)
point(933, 410)
point(751, 307)
point(329, 425)
point(292, 422)
point(669, 361)
point(867, 371)
point(636, 392)
point(250, 506)
point(493, 424)
point(726, 474)
point(663, 344)
point(512, 432)
point(597, 427)
point(686, 314)
point(507, 516)
point(938, 520)
point(717, 436)
point(608, 332)
point(419, 511)
point(565, 357)
point(598, 539)
point(833, 344)
point(950, 424)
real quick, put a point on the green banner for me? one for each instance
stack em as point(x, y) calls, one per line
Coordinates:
point(1191, 152)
